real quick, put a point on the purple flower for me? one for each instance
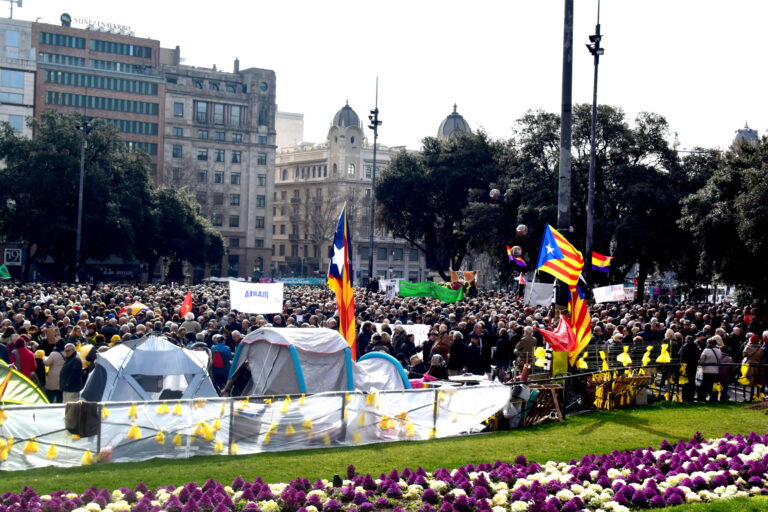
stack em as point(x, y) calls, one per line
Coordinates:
point(674, 499)
point(360, 498)
point(365, 507)
point(382, 502)
point(393, 491)
point(237, 483)
point(332, 506)
point(430, 496)
point(252, 507)
point(221, 507)
point(351, 472)
point(446, 507)
point(190, 506)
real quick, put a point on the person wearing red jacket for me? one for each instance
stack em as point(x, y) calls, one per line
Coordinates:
point(23, 358)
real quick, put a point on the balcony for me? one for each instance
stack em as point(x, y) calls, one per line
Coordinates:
point(294, 217)
point(293, 238)
point(295, 199)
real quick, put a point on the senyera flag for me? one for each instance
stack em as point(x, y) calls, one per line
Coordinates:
point(186, 305)
point(601, 263)
point(559, 257)
point(340, 281)
point(581, 322)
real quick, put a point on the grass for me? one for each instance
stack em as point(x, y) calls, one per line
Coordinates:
point(753, 504)
point(598, 432)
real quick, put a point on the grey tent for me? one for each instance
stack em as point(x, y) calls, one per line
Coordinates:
point(150, 368)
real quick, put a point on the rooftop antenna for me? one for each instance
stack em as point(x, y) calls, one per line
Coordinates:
point(17, 2)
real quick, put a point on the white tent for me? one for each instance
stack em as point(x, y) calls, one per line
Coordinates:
point(151, 368)
point(290, 361)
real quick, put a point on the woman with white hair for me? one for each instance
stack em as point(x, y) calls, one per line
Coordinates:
point(190, 324)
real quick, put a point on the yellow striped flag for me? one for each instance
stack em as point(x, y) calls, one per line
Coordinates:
point(581, 321)
point(340, 281)
point(559, 258)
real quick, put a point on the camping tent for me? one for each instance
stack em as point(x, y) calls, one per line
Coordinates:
point(289, 361)
point(150, 368)
point(15, 388)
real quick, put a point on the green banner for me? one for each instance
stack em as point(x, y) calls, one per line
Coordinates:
point(430, 289)
point(4, 272)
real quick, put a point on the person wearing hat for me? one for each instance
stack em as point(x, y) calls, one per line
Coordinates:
point(54, 362)
point(753, 355)
point(115, 340)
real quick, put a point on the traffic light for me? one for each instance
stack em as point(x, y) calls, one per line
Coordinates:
point(374, 119)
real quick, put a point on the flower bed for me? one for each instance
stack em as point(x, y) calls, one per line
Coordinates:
point(686, 472)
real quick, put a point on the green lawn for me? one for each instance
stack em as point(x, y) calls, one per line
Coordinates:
point(755, 504)
point(597, 432)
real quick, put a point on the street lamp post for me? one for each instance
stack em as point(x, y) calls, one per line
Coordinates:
point(375, 123)
point(85, 129)
point(596, 51)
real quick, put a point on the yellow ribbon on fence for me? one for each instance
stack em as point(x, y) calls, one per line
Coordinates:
point(605, 361)
point(581, 364)
point(744, 380)
point(647, 356)
point(540, 354)
point(624, 358)
point(664, 356)
point(683, 374)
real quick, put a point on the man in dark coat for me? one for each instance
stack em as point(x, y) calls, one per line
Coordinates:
point(71, 377)
point(474, 356)
point(689, 355)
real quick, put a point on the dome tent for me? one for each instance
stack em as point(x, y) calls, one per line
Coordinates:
point(291, 361)
point(15, 388)
point(150, 368)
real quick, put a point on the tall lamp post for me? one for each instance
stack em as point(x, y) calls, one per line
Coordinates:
point(375, 123)
point(596, 51)
point(85, 129)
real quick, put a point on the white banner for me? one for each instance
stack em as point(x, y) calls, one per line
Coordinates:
point(539, 294)
point(256, 297)
point(612, 293)
point(389, 287)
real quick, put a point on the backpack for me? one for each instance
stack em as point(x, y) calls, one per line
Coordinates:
point(217, 359)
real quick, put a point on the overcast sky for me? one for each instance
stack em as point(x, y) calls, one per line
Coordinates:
point(700, 63)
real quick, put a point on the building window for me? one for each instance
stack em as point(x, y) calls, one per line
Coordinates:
point(235, 115)
point(218, 177)
point(101, 103)
point(202, 176)
point(219, 135)
point(214, 86)
point(234, 243)
point(98, 45)
point(234, 178)
point(262, 139)
point(234, 221)
point(413, 255)
point(62, 40)
point(259, 243)
point(397, 254)
point(202, 154)
point(218, 113)
point(335, 169)
point(10, 78)
point(237, 137)
point(178, 132)
point(202, 134)
point(236, 157)
point(261, 180)
point(367, 193)
point(202, 197)
point(201, 111)
point(218, 199)
point(197, 84)
point(368, 172)
point(325, 171)
point(231, 88)
point(282, 229)
point(178, 110)
point(259, 223)
point(176, 151)
point(16, 122)
point(261, 159)
point(176, 174)
point(216, 219)
point(381, 254)
point(351, 169)
point(365, 253)
point(218, 155)
point(233, 262)
point(284, 175)
point(234, 200)
point(11, 38)
point(261, 201)
point(282, 250)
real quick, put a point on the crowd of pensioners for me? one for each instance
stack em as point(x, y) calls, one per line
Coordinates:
point(52, 333)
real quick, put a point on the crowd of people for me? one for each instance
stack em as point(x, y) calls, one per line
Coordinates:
point(52, 333)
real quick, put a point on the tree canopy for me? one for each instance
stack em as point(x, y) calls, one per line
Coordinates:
point(39, 197)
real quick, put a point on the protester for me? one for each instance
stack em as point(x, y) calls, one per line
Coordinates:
point(71, 379)
point(55, 362)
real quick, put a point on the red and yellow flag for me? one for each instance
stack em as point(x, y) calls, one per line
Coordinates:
point(340, 281)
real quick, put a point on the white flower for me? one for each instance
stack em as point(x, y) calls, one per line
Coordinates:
point(498, 509)
point(595, 487)
point(311, 508)
point(73, 495)
point(320, 494)
point(519, 506)
point(269, 506)
point(93, 507)
point(438, 486)
point(564, 495)
point(458, 492)
point(691, 497)
point(45, 497)
point(499, 499)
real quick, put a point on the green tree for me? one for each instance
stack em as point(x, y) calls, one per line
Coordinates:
point(422, 196)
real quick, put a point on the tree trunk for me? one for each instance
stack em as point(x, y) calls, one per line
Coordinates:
point(642, 272)
point(32, 254)
point(151, 264)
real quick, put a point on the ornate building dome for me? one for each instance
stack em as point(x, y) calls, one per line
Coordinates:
point(746, 134)
point(452, 125)
point(346, 117)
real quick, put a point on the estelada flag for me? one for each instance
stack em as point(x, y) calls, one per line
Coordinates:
point(340, 281)
point(559, 257)
point(186, 305)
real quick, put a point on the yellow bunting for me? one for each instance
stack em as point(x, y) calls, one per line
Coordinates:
point(346, 414)
point(326, 439)
point(160, 437)
point(369, 398)
point(4, 454)
point(540, 353)
point(30, 446)
point(200, 402)
point(306, 425)
point(87, 458)
point(581, 363)
point(104, 412)
point(208, 433)
point(664, 357)
point(286, 405)
point(216, 425)
point(273, 428)
point(302, 400)
point(433, 432)
point(356, 437)
point(233, 448)
point(409, 430)
point(222, 409)
point(218, 447)
point(605, 361)
point(624, 358)
point(177, 410)
point(134, 432)
point(386, 423)
point(361, 418)
point(647, 356)
point(683, 379)
point(177, 440)
point(347, 397)
point(403, 416)
point(717, 388)
point(290, 430)
point(744, 380)
point(267, 438)
point(3, 416)
point(268, 401)
point(11, 441)
point(133, 412)
point(163, 408)
point(52, 452)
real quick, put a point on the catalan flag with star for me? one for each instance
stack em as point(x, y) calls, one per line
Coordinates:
point(559, 258)
point(340, 281)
